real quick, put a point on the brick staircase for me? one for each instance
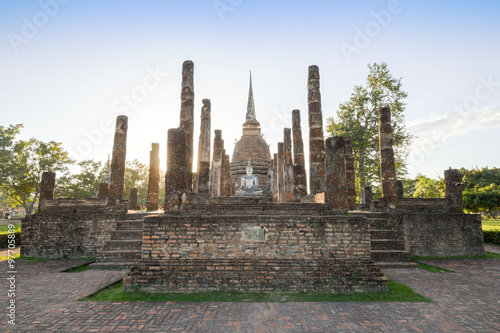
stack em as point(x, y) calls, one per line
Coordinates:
point(387, 243)
point(125, 247)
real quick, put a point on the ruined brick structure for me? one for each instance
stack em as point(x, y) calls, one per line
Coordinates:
point(187, 116)
point(118, 159)
point(47, 187)
point(212, 239)
point(132, 204)
point(154, 177)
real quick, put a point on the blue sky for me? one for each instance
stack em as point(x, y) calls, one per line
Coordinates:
point(68, 77)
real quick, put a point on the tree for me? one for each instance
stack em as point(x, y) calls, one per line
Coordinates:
point(477, 178)
point(23, 163)
point(136, 176)
point(482, 199)
point(426, 187)
point(358, 118)
point(83, 184)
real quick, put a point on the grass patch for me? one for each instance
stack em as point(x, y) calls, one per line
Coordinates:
point(489, 225)
point(488, 255)
point(397, 293)
point(7, 257)
point(431, 268)
point(78, 269)
point(4, 228)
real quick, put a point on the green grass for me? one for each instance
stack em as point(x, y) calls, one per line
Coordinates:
point(491, 225)
point(78, 269)
point(488, 255)
point(431, 268)
point(5, 228)
point(397, 293)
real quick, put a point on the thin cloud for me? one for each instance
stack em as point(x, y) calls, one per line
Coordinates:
point(436, 132)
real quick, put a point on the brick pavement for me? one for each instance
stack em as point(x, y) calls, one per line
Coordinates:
point(466, 301)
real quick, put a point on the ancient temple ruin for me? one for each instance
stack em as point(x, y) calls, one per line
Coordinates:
point(248, 222)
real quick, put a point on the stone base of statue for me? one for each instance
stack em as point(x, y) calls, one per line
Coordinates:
point(249, 193)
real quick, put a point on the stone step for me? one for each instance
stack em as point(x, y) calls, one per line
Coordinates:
point(405, 264)
point(123, 244)
point(129, 225)
point(118, 256)
point(390, 256)
point(126, 234)
point(381, 223)
point(384, 234)
point(387, 244)
point(117, 265)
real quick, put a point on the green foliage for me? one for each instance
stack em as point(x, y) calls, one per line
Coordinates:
point(397, 293)
point(4, 239)
point(473, 179)
point(492, 236)
point(425, 187)
point(22, 165)
point(482, 199)
point(358, 118)
point(83, 184)
point(490, 225)
point(136, 176)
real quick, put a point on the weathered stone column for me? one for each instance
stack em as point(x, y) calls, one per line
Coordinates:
point(103, 192)
point(387, 164)
point(350, 179)
point(215, 172)
point(203, 179)
point(132, 203)
point(400, 189)
point(316, 138)
point(368, 195)
point(453, 181)
point(47, 187)
point(281, 174)
point(335, 191)
point(154, 177)
point(226, 176)
point(118, 159)
point(176, 176)
point(187, 115)
point(299, 169)
point(288, 165)
point(275, 178)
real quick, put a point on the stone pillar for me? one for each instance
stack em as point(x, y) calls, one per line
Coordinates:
point(387, 164)
point(275, 178)
point(281, 175)
point(203, 179)
point(187, 115)
point(316, 138)
point(368, 196)
point(154, 177)
point(453, 181)
point(226, 187)
point(103, 191)
point(118, 159)
point(288, 165)
point(350, 179)
point(215, 172)
point(132, 203)
point(47, 187)
point(299, 169)
point(400, 189)
point(176, 176)
point(335, 191)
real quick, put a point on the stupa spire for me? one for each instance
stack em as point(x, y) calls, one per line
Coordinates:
point(251, 120)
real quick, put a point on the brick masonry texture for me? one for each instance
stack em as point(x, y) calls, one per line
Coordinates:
point(289, 254)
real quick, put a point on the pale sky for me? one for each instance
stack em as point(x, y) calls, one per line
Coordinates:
point(70, 67)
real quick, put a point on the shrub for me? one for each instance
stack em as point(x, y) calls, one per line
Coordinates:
point(4, 239)
point(492, 236)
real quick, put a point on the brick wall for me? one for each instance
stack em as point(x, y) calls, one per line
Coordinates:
point(256, 253)
point(65, 234)
point(440, 234)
